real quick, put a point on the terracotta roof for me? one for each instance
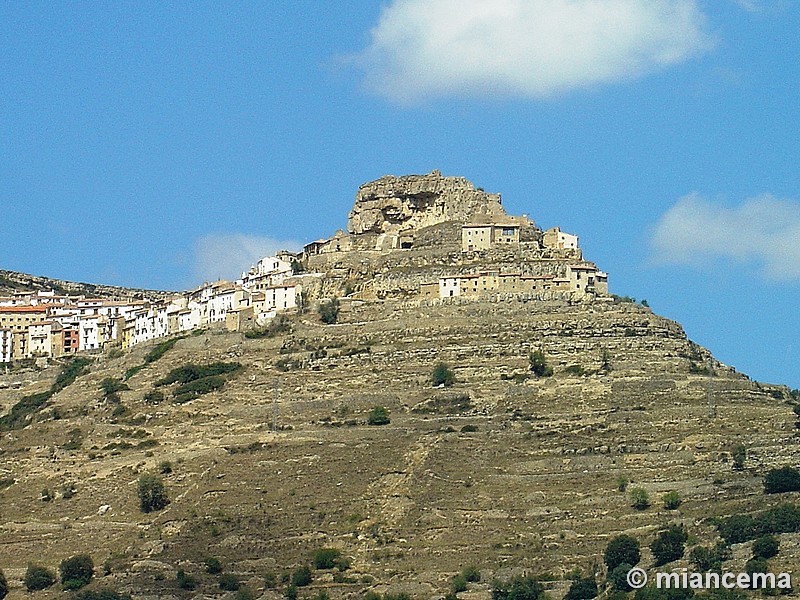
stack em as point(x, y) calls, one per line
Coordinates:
point(23, 309)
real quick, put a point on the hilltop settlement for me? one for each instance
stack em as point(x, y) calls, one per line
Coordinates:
point(420, 237)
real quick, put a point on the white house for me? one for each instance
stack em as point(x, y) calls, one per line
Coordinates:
point(6, 345)
point(449, 287)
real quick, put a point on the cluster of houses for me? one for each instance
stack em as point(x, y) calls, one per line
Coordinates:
point(44, 324)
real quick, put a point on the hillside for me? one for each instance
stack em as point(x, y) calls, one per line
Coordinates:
point(533, 487)
point(276, 442)
point(12, 281)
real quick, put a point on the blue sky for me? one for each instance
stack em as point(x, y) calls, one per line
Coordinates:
point(156, 144)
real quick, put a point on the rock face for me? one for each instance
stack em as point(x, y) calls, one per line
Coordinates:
point(398, 204)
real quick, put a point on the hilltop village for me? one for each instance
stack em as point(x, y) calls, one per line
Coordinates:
point(425, 238)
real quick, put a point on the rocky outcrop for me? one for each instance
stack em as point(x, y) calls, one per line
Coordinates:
point(12, 281)
point(398, 204)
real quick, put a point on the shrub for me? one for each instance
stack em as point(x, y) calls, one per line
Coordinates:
point(622, 483)
point(672, 500)
point(618, 577)
point(766, 546)
point(152, 494)
point(469, 429)
point(326, 558)
point(583, 588)
point(193, 372)
point(669, 544)
point(622, 549)
point(76, 571)
point(471, 574)
point(329, 311)
point(443, 375)
point(213, 566)
point(379, 415)
point(710, 559)
point(785, 479)
point(38, 578)
point(186, 581)
point(270, 580)
point(161, 349)
point(229, 582)
point(519, 588)
point(112, 385)
point(538, 364)
point(3, 585)
point(154, 397)
point(71, 371)
point(458, 584)
point(194, 389)
point(738, 454)
point(301, 577)
point(756, 565)
point(291, 592)
point(640, 500)
point(245, 593)
point(165, 467)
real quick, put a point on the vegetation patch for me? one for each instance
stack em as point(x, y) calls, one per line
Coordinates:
point(742, 528)
point(195, 380)
point(22, 412)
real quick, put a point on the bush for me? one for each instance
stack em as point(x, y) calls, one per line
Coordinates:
point(326, 558)
point(785, 479)
point(165, 467)
point(154, 397)
point(213, 566)
point(195, 389)
point(582, 589)
point(622, 549)
point(38, 578)
point(738, 455)
point(471, 574)
point(766, 546)
point(152, 494)
point(538, 364)
point(458, 584)
point(379, 415)
point(186, 581)
point(301, 577)
point(672, 500)
point(193, 372)
point(640, 500)
point(329, 311)
point(76, 571)
point(3, 585)
point(270, 580)
point(756, 565)
point(669, 544)
point(710, 559)
point(229, 582)
point(519, 588)
point(161, 349)
point(443, 375)
point(618, 577)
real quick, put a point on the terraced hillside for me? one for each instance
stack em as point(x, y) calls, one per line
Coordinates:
point(501, 470)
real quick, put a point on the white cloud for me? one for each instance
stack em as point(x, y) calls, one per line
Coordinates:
point(424, 49)
point(225, 256)
point(764, 231)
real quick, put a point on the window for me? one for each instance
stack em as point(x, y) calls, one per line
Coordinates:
point(508, 231)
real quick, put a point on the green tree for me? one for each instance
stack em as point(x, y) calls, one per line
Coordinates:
point(622, 549)
point(76, 571)
point(640, 500)
point(213, 566)
point(672, 500)
point(618, 577)
point(186, 581)
point(443, 375)
point(152, 494)
point(538, 363)
point(326, 558)
point(584, 588)
point(458, 584)
point(329, 311)
point(38, 578)
point(379, 415)
point(669, 544)
point(739, 455)
point(766, 546)
point(301, 577)
point(785, 479)
point(229, 582)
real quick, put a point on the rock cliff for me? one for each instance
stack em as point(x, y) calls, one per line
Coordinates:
point(396, 204)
